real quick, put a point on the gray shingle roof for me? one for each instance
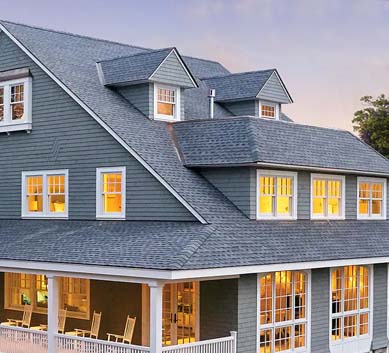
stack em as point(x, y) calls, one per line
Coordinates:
point(244, 85)
point(242, 140)
point(137, 67)
point(190, 245)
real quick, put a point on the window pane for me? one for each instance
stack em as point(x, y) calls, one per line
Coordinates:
point(376, 190)
point(268, 111)
point(35, 193)
point(336, 329)
point(112, 192)
point(282, 341)
point(334, 195)
point(299, 336)
point(364, 287)
point(20, 289)
point(265, 341)
point(283, 304)
point(336, 281)
point(364, 324)
point(284, 196)
point(350, 326)
point(364, 207)
point(165, 108)
point(364, 190)
point(266, 305)
point(17, 102)
point(376, 207)
point(300, 295)
point(41, 291)
point(56, 193)
point(319, 193)
point(266, 194)
point(350, 288)
point(74, 293)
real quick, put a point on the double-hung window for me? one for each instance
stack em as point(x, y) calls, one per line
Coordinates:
point(327, 196)
point(269, 110)
point(45, 194)
point(111, 192)
point(15, 105)
point(276, 194)
point(350, 308)
point(167, 102)
point(283, 312)
point(371, 198)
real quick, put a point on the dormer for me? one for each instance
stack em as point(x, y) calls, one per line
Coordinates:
point(153, 81)
point(255, 93)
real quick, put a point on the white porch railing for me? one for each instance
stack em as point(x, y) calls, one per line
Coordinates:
point(218, 345)
point(74, 344)
point(22, 340)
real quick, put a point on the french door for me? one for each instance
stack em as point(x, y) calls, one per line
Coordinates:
point(180, 313)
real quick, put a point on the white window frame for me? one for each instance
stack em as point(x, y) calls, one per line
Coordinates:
point(99, 201)
point(307, 320)
point(270, 104)
point(384, 195)
point(352, 344)
point(277, 173)
point(8, 125)
point(45, 213)
point(177, 104)
point(333, 177)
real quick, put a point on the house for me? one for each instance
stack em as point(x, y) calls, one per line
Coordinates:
point(144, 183)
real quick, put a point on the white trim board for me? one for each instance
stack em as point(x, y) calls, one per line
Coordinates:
point(106, 127)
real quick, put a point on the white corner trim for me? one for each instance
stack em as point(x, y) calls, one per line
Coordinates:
point(384, 197)
point(340, 178)
point(180, 61)
point(106, 127)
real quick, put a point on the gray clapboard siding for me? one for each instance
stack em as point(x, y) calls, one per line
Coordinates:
point(141, 96)
point(243, 108)
point(351, 197)
point(218, 308)
point(380, 306)
point(304, 195)
point(64, 136)
point(273, 90)
point(247, 314)
point(172, 72)
point(320, 303)
point(235, 184)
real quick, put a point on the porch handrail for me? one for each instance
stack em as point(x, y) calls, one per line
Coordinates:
point(128, 347)
point(22, 329)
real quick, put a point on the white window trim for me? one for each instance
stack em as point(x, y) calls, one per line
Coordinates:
point(340, 178)
point(177, 108)
point(384, 195)
point(308, 321)
point(275, 173)
point(99, 204)
point(276, 110)
point(8, 125)
point(341, 343)
point(45, 213)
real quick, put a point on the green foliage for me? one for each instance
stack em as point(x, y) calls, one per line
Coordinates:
point(372, 123)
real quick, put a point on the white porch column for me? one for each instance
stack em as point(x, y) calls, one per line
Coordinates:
point(156, 291)
point(52, 312)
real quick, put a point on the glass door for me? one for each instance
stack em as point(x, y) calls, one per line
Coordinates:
point(180, 313)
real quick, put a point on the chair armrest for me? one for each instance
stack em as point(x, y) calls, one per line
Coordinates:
point(82, 332)
point(117, 337)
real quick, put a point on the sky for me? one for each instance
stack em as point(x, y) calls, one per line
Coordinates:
point(329, 53)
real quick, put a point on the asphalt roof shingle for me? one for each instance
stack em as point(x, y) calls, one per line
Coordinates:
point(244, 140)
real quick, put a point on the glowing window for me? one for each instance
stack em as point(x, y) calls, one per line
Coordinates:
point(17, 102)
point(268, 111)
point(167, 103)
point(350, 304)
point(283, 311)
point(371, 198)
point(45, 194)
point(327, 196)
point(1, 104)
point(110, 192)
point(276, 194)
point(75, 296)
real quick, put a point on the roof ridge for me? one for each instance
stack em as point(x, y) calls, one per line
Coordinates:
point(238, 73)
point(201, 59)
point(73, 34)
point(151, 51)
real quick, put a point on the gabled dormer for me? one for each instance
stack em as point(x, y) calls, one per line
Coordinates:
point(153, 81)
point(255, 93)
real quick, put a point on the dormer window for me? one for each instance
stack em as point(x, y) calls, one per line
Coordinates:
point(15, 104)
point(269, 110)
point(167, 103)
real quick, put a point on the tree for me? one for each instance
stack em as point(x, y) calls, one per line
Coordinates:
point(372, 123)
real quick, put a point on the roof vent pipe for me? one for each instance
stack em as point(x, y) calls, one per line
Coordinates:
point(211, 96)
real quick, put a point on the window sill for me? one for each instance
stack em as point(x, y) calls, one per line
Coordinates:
point(327, 218)
point(44, 217)
point(15, 127)
point(110, 218)
point(361, 218)
point(265, 218)
point(166, 118)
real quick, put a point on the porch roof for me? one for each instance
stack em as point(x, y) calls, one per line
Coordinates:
point(190, 245)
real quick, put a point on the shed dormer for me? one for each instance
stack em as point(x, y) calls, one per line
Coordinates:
point(255, 93)
point(153, 81)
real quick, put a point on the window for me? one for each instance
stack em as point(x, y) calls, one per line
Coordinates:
point(350, 303)
point(21, 289)
point(167, 102)
point(283, 312)
point(269, 110)
point(15, 105)
point(276, 194)
point(371, 198)
point(111, 192)
point(327, 196)
point(45, 194)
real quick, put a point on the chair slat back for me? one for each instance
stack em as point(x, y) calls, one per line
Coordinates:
point(62, 320)
point(95, 327)
point(27, 314)
point(129, 329)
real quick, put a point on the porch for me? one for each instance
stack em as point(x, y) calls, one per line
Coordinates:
point(168, 316)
